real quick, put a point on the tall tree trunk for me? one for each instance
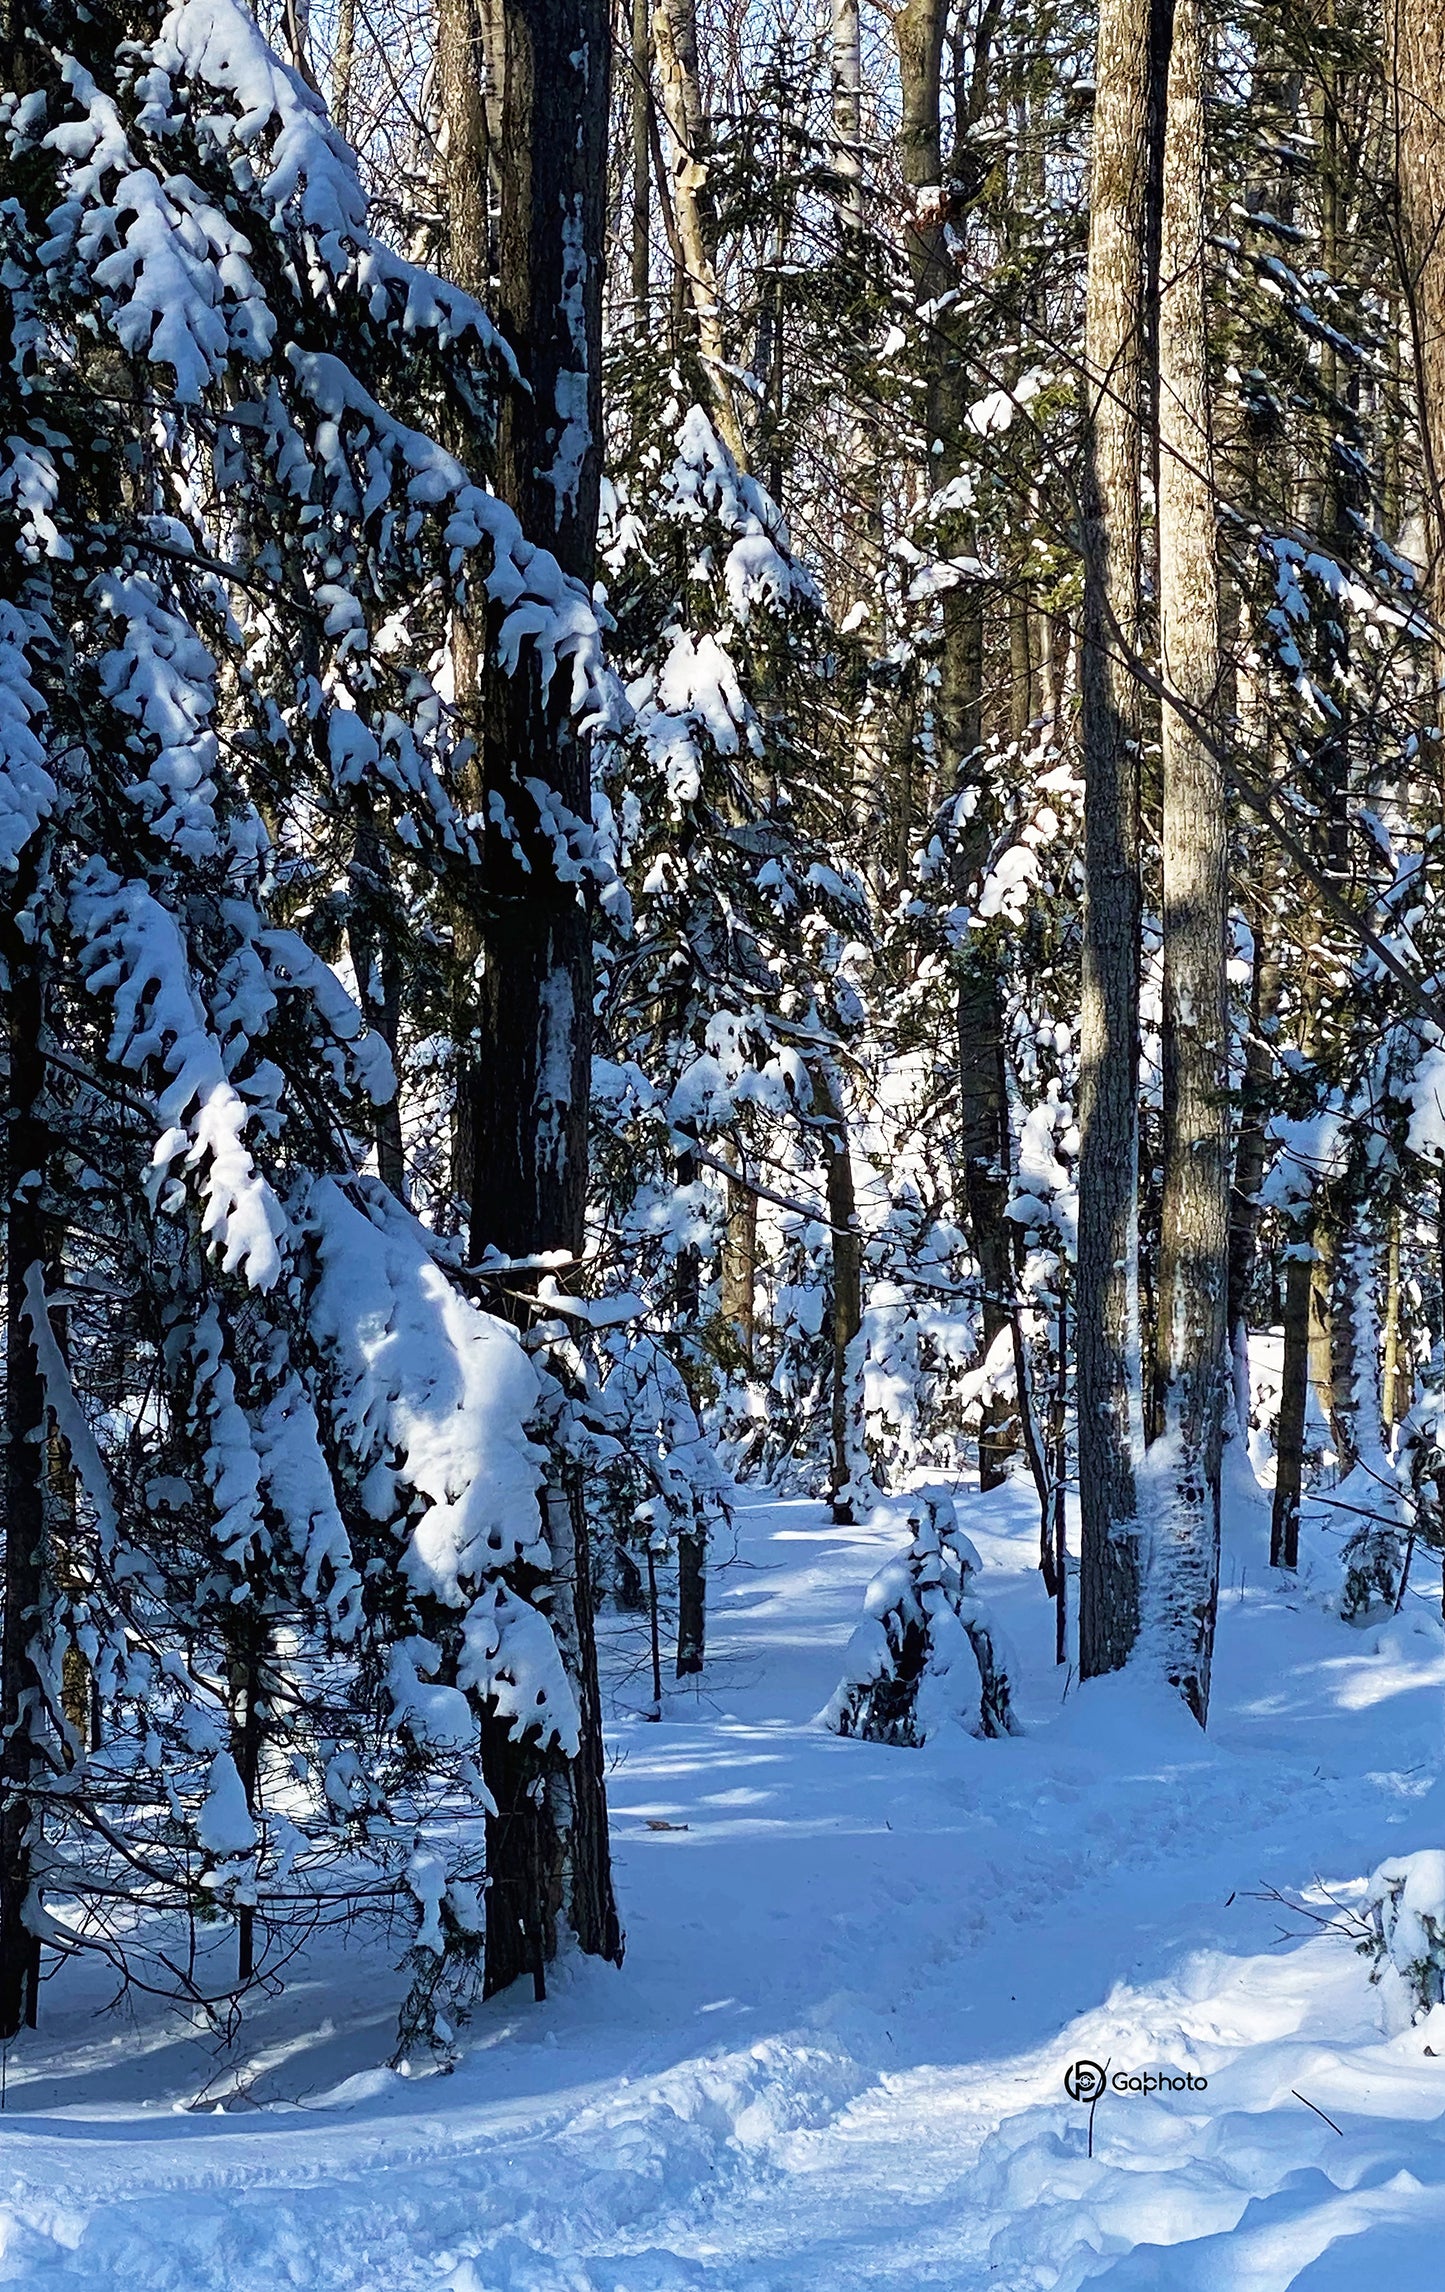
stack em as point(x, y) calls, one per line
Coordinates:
point(640, 109)
point(26, 1159)
point(343, 65)
point(1321, 1340)
point(919, 28)
point(846, 1300)
point(1415, 67)
point(847, 76)
point(740, 1268)
point(547, 74)
point(874, 713)
point(1398, 1392)
point(1193, 1277)
point(371, 941)
point(984, 1142)
point(1110, 1402)
point(1289, 1440)
point(1304, 1288)
point(1251, 1157)
point(464, 71)
point(247, 1685)
point(691, 1602)
point(579, 1813)
point(674, 33)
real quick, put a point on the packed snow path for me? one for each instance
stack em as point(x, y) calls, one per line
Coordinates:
point(855, 1979)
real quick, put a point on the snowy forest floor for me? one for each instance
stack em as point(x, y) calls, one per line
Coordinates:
point(855, 1978)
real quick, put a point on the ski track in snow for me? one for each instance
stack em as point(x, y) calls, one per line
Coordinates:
point(835, 2056)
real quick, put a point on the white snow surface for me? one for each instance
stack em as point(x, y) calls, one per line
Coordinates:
point(855, 1978)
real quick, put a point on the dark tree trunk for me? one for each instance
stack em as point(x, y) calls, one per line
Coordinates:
point(640, 108)
point(984, 1139)
point(1293, 1405)
point(26, 1159)
point(547, 82)
point(372, 942)
point(580, 1792)
point(691, 1603)
point(247, 1683)
point(919, 29)
point(846, 1301)
point(520, 1914)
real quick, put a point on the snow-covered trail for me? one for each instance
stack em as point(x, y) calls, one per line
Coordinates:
point(835, 2056)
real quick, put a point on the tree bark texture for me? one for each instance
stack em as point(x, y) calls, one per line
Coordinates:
point(958, 707)
point(847, 79)
point(1251, 1154)
point(846, 1301)
point(1415, 68)
point(1192, 1328)
point(547, 84)
point(740, 1270)
point(691, 1603)
point(463, 69)
point(1289, 1439)
point(640, 113)
point(674, 33)
point(1110, 1402)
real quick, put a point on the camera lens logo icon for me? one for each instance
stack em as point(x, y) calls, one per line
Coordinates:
point(1084, 2081)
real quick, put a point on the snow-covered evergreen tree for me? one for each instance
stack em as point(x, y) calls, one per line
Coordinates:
point(288, 1547)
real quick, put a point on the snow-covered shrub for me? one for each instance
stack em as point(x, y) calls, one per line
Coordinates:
point(1405, 1905)
point(925, 1656)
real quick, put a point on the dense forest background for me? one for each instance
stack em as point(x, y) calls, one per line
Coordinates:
point(722, 763)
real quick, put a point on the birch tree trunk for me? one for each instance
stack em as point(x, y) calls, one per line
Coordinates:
point(1191, 1358)
point(1110, 1402)
point(847, 74)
